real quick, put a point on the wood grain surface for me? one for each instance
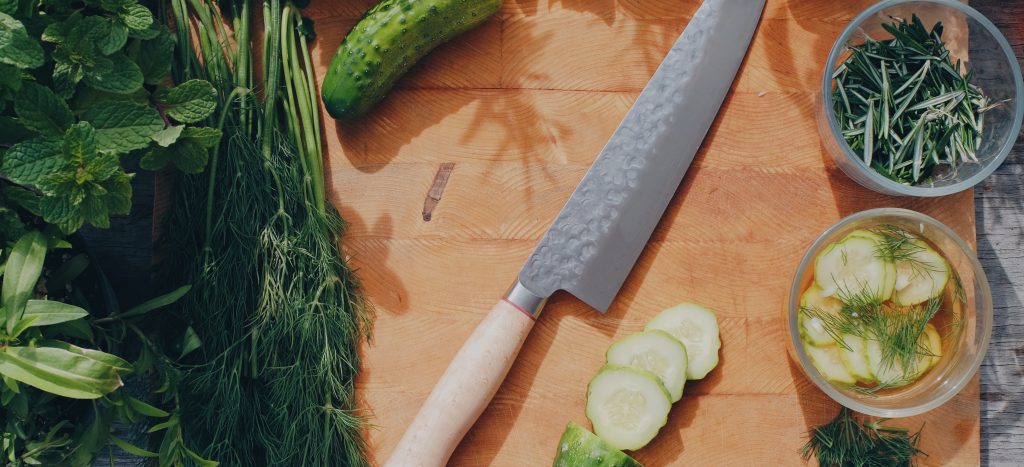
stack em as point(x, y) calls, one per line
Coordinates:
point(1000, 214)
point(520, 107)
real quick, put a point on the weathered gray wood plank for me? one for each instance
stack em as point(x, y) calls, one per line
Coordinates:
point(1000, 214)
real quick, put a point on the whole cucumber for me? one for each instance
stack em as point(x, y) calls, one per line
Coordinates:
point(389, 39)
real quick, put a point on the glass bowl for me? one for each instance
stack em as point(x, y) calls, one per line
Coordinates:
point(996, 72)
point(961, 357)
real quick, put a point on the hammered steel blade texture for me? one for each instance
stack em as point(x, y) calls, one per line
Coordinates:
point(593, 243)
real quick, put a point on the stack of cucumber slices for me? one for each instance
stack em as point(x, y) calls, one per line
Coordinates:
point(867, 277)
point(629, 399)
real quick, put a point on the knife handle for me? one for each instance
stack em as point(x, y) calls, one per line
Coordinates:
point(465, 388)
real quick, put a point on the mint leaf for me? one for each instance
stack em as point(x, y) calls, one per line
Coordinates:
point(120, 75)
point(79, 145)
point(123, 126)
point(16, 47)
point(168, 136)
point(154, 56)
point(115, 39)
point(26, 163)
point(189, 153)
point(114, 6)
point(87, 98)
point(66, 76)
point(39, 109)
point(136, 17)
point(28, 200)
point(8, 6)
point(189, 102)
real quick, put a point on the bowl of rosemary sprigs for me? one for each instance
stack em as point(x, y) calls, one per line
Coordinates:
point(920, 98)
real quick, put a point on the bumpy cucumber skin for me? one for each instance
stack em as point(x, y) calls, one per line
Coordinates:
point(389, 39)
point(581, 448)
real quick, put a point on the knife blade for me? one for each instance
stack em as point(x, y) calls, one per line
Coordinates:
point(594, 241)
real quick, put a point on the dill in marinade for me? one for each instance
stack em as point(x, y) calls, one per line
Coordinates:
point(909, 111)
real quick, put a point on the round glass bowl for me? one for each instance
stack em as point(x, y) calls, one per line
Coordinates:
point(996, 72)
point(961, 357)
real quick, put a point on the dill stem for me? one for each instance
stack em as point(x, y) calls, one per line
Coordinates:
point(211, 177)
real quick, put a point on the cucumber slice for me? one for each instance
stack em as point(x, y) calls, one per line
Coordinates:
point(851, 267)
point(890, 374)
point(829, 364)
point(812, 330)
point(581, 448)
point(627, 406)
point(855, 358)
point(934, 343)
point(922, 277)
point(655, 351)
point(864, 233)
point(697, 328)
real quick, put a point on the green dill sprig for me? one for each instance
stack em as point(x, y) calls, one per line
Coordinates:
point(906, 107)
point(897, 329)
point(847, 441)
point(897, 245)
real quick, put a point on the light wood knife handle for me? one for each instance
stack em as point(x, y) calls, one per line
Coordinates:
point(465, 389)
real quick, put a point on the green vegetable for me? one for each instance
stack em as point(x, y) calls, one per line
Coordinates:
point(697, 328)
point(273, 302)
point(581, 448)
point(389, 39)
point(849, 442)
point(654, 351)
point(628, 406)
point(905, 106)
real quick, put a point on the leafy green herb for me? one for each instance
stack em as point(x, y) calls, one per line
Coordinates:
point(848, 442)
point(914, 114)
point(278, 311)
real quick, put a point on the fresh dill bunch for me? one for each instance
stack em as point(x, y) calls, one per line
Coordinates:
point(847, 441)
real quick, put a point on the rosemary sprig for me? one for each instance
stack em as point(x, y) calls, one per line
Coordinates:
point(906, 107)
point(847, 441)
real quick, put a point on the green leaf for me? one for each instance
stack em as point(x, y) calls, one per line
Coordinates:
point(131, 448)
point(25, 163)
point(25, 323)
point(77, 329)
point(24, 265)
point(39, 109)
point(67, 272)
point(8, 6)
point(123, 126)
point(11, 384)
point(121, 76)
point(136, 17)
point(47, 312)
point(115, 39)
point(145, 409)
point(151, 32)
point(189, 342)
point(168, 136)
point(189, 102)
point(171, 422)
point(189, 153)
point(62, 212)
point(28, 200)
point(154, 56)
point(79, 145)
point(156, 303)
point(16, 47)
point(88, 97)
point(117, 363)
point(66, 76)
point(59, 371)
point(199, 460)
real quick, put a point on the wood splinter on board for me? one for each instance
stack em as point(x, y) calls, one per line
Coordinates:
point(436, 189)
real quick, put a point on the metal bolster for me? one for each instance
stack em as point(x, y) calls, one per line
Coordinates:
point(527, 301)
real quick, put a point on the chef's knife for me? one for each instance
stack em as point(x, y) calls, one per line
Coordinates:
point(593, 243)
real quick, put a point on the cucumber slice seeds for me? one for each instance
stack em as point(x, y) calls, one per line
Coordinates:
point(654, 351)
point(627, 406)
point(697, 328)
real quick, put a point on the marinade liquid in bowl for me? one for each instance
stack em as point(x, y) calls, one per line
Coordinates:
point(889, 313)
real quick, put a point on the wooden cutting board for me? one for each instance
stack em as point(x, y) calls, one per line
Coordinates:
point(517, 110)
